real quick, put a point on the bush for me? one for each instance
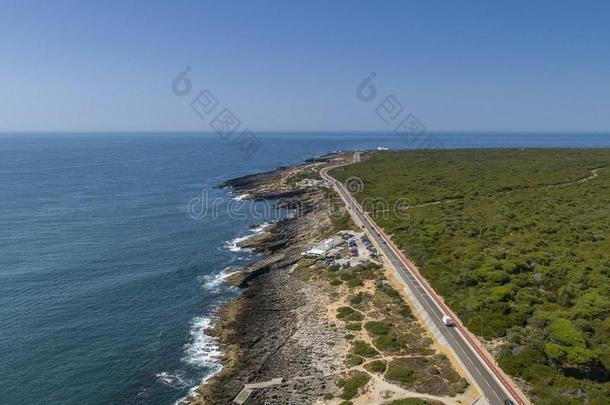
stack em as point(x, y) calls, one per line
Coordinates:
point(336, 282)
point(399, 374)
point(406, 313)
point(378, 327)
point(356, 299)
point(387, 343)
point(373, 266)
point(355, 360)
point(410, 401)
point(354, 326)
point(344, 312)
point(565, 333)
point(351, 384)
point(349, 314)
point(333, 268)
point(328, 396)
point(356, 316)
point(376, 366)
point(354, 282)
point(363, 349)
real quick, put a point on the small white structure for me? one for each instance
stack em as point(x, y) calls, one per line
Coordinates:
point(310, 183)
point(322, 248)
point(447, 320)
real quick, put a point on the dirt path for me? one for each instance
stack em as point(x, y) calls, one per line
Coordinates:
point(592, 174)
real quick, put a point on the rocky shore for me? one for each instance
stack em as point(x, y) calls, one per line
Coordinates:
point(277, 327)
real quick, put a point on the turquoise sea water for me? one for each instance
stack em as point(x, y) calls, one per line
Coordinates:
point(106, 282)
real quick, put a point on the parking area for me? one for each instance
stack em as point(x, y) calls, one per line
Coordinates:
point(346, 249)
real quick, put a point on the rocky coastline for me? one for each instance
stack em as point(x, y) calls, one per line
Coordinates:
point(276, 327)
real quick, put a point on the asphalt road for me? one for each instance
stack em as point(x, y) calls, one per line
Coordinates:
point(483, 372)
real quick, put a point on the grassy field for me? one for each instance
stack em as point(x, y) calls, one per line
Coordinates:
point(518, 244)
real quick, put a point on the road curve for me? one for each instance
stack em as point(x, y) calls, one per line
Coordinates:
point(485, 374)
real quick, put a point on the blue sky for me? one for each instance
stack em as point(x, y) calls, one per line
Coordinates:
point(287, 65)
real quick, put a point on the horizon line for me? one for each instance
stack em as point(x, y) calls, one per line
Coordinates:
point(303, 131)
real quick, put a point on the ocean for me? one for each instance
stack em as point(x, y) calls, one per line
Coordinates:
point(113, 248)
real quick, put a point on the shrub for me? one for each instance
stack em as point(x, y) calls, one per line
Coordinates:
point(373, 266)
point(356, 316)
point(399, 373)
point(354, 282)
point(351, 384)
point(355, 360)
point(354, 326)
point(387, 343)
point(344, 312)
point(564, 332)
point(376, 366)
point(406, 313)
point(363, 349)
point(391, 292)
point(328, 396)
point(336, 282)
point(356, 299)
point(411, 401)
point(378, 327)
point(349, 314)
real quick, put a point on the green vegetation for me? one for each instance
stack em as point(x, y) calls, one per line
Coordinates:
point(378, 327)
point(432, 375)
point(355, 360)
point(351, 279)
point(400, 373)
point(387, 343)
point(341, 219)
point(357, 299)
point(361, 348)
point(344, 312)
point(376, 366)
point(354, 326)
point(518, 244)
point(351, 384)
point(306, 173)
point(349, 314)
point(413, 401)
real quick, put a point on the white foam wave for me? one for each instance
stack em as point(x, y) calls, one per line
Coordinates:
point(232, 244)
point(214, 281)
point(261, 228)
point(240, 197)
point(170, 379)
point(203, 350)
